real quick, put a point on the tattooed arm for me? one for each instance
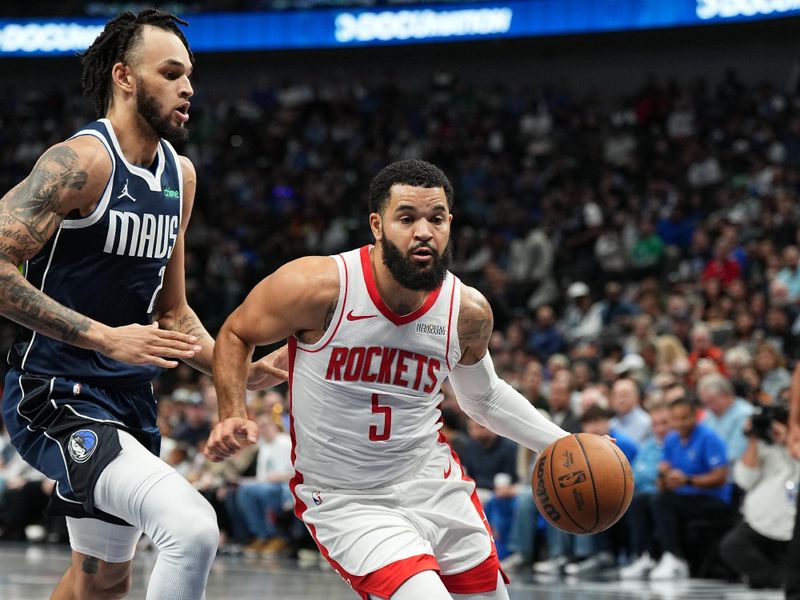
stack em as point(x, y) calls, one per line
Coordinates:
point(475, 323)
point(68, 177)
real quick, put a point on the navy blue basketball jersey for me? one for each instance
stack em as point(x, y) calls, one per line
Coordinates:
point(108, 265)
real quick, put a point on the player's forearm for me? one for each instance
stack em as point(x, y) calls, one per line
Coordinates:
point(231, 359)
point(186, 321)
point(31, 308)
point(496, 405)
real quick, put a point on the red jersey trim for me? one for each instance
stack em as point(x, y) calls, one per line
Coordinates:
point(292, 344)
point(481, 578)
point(327, 338)
point(372, 289)
point(385, 581)
point(450, 324)
point(477, 580)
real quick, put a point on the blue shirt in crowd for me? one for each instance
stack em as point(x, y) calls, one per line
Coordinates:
point(703, 452)
point(627, 445)
point(645, 466)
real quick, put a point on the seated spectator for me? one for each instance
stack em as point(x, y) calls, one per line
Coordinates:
point(725, 413)
point(722, 266)
point(491, 461)
point(545, 339)
point(532, 385)
point(703, 348)
point(770, 365)
point(561, 412)
point(196, 423)
point(614, 309)
point(262, 501)
point(24, 498)
point(692, 483)
point(583, 320)
point(756, 547)
point(630, 418)
point(643, 546)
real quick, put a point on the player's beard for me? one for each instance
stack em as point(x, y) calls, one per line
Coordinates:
point(150, 110)
point(409, 273)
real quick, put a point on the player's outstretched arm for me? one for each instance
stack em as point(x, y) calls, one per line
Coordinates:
point(295, 300)
point(482, 394)
point(68, 177)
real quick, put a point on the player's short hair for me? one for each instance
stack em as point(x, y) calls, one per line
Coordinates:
point(417, 173)
point(113, 45)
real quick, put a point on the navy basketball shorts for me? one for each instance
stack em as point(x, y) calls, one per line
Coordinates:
point(68, 431)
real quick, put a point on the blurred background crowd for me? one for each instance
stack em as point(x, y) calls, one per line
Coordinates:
point(640, 253)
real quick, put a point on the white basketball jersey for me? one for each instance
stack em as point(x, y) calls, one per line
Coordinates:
point(364, 398)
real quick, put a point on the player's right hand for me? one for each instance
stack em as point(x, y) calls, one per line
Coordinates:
point(230, 436)
point(149, 345)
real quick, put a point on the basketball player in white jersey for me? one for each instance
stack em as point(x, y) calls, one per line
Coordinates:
point(373, 333)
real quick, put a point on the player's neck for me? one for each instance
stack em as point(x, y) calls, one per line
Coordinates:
point(138, 147)
point(399, 299)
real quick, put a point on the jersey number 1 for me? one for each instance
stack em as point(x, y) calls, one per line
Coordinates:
point(386, 411)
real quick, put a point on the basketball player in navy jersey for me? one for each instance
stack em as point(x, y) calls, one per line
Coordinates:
point(98, 230)
point(373, 333)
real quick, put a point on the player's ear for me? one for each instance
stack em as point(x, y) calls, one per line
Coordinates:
point(375, 225)
point(122, 76)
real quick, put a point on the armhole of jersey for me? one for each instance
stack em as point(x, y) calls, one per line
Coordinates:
point(102, 205)
point(176, 157)
point(453, 345)
point(333, 327)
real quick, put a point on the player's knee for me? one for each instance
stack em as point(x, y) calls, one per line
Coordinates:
point(198, 530)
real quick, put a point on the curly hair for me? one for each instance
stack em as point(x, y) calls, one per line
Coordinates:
point(418, 173)
point(114, 44)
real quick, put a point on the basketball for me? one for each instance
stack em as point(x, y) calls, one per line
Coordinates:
point(582, 483)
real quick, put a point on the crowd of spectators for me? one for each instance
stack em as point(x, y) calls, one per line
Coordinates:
point(640, 254)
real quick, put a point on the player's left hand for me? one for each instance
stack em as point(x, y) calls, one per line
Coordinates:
point(230, 436)
point(270, 370)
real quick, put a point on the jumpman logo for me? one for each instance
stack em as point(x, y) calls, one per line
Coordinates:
point(124, 192)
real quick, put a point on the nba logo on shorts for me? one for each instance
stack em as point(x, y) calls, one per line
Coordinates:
point(317, 498)
point(82, 445)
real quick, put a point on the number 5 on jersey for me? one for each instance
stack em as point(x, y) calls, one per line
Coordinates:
point(386, 411)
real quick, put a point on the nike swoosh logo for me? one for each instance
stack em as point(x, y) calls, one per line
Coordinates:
point(448, 470)
point(352, 317)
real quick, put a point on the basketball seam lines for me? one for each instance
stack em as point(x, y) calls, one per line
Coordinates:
point(555, 493)
point(594, 485)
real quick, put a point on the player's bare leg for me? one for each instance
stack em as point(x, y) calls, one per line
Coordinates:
point(89, 577)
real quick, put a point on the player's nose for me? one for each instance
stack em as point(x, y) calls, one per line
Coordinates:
point(187, 91)
point(423, 230)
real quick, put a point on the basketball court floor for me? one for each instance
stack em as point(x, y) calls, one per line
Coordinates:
point(29, 572)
